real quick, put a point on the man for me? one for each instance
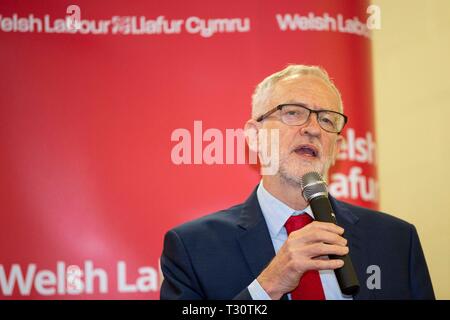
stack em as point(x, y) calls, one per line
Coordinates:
point(269, 247)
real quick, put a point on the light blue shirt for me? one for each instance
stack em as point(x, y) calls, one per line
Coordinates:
point(276, 213)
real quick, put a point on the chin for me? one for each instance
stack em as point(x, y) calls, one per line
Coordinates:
point(294, 169)
point(306, 166)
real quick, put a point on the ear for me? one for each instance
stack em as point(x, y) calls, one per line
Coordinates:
point(251, 129)
point(340, 141)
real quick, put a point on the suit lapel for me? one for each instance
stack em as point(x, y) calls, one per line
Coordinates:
point(255, 242)
point(355, 236)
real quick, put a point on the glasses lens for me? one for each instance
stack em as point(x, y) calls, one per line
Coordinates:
point(331, 121)
point(294, 115)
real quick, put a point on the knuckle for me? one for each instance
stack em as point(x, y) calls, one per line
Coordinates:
point(338, 249)
point(323, 249)
point(335, 239)
point(315, 224)
point(289, 251)
point(342, 250)
point(314, 236)
point(318, 248)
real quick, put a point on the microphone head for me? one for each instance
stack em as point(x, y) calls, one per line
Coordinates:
point(313, 186)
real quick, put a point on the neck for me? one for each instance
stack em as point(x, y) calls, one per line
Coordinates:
point(287, 193)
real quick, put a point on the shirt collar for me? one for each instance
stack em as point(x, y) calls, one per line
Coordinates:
point(276, 212)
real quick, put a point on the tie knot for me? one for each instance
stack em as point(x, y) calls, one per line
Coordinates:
point(297, 222)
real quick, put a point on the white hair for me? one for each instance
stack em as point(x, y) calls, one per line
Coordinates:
point(265, 87)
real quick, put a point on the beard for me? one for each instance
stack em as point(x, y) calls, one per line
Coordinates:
point(291, 170)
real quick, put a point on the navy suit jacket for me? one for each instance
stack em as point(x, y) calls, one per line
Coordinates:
point(219, 255)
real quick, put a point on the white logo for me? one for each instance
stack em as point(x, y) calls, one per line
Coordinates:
point(374, 281)
point(73, 20)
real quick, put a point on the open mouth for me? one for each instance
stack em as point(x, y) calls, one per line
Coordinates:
point(307, 150)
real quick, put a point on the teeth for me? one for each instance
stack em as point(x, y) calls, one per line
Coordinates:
point(308, 150)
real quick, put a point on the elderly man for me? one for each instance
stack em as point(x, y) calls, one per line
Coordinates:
point(270, 247)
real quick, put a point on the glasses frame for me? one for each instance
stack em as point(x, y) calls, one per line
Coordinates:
point(317, 112)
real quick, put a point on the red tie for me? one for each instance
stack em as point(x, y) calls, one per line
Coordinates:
point(309, 286)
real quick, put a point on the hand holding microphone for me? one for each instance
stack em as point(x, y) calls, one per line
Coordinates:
point(314, 191)
point(302, 252)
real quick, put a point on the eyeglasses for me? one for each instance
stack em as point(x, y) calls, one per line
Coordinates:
point(296, 114)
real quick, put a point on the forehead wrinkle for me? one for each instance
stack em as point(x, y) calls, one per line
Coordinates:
point(318, 97)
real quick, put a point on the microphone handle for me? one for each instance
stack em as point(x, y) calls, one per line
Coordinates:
point(346, 275)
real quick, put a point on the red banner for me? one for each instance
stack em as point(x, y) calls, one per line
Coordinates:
point(95, 98)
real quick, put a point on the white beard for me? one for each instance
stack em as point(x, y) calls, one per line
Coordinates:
point(294, 179)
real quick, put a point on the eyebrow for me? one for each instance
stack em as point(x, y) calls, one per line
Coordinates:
point(319, 108)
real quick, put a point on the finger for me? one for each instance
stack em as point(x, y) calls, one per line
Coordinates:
point(319, 264)
point(322, 249)
point(311, 236)
point(314, 235)
point(327, 226)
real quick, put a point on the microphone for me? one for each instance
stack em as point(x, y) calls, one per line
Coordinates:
point(315, 192)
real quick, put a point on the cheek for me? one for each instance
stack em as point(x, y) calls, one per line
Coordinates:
point(288, 136)
point(286, 142)
point(283, 138)
point(329, 147)
point(271, 139)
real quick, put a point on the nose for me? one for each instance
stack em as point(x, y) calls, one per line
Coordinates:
point(311, 127)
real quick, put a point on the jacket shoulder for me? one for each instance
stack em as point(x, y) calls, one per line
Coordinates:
point(216, 222)
point(376, 219)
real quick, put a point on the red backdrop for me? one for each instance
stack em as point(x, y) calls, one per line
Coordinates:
point(86, 121)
